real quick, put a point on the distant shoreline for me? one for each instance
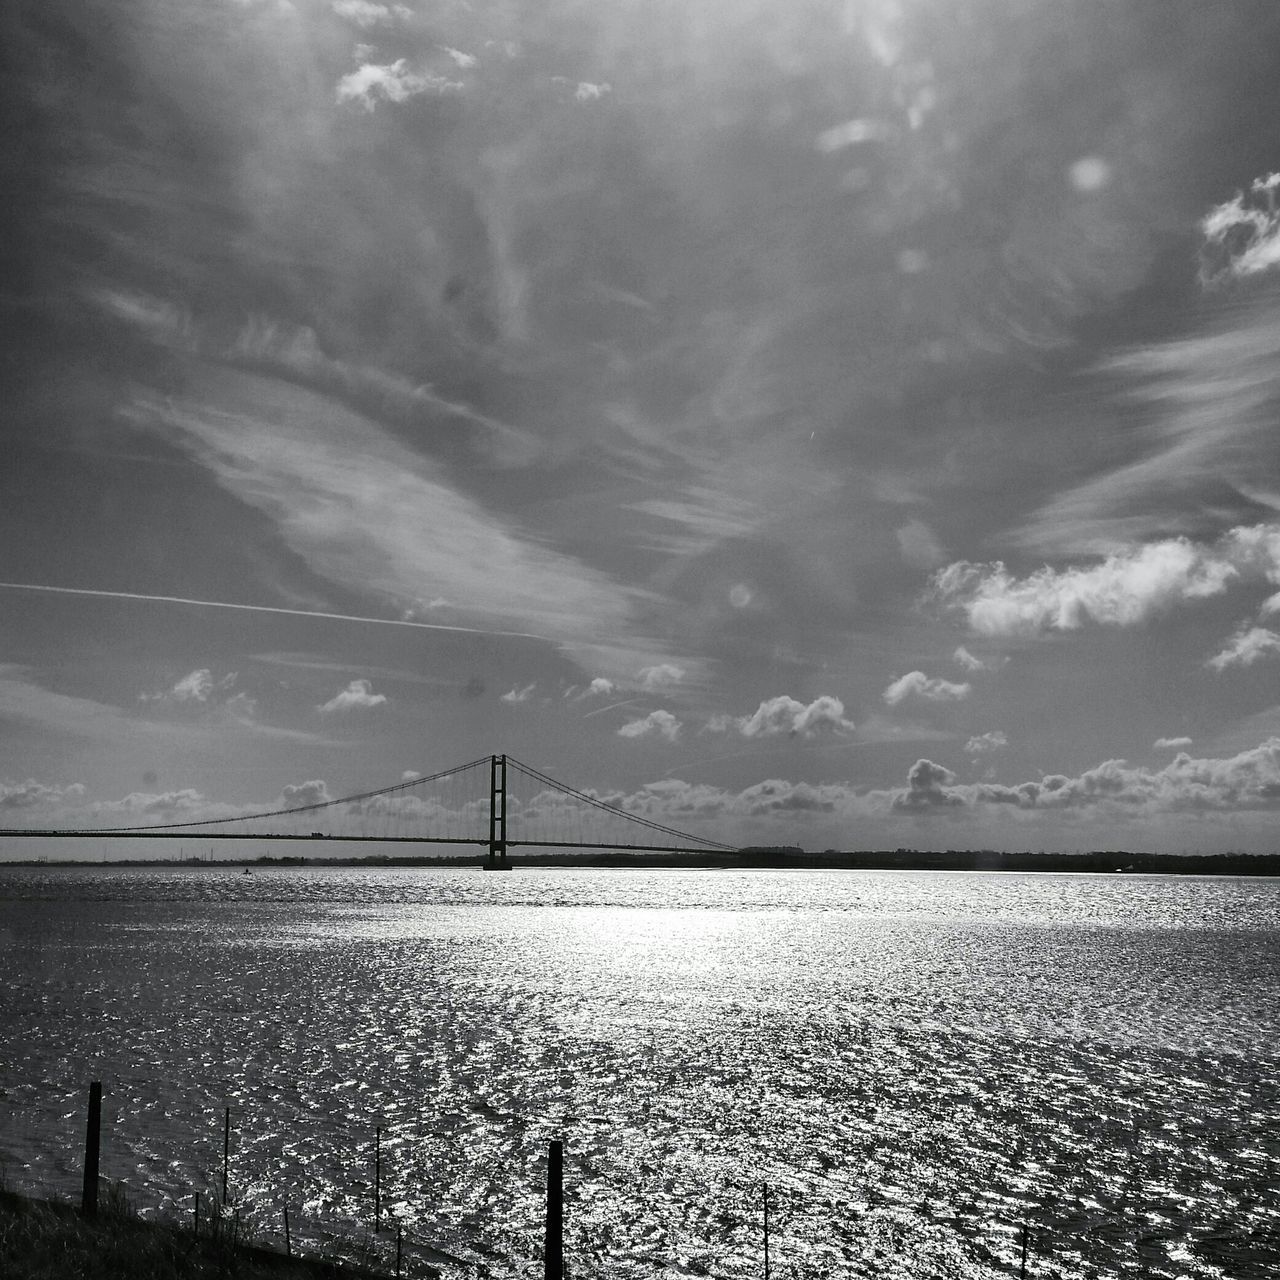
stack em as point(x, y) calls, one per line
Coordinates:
point(1099, 861)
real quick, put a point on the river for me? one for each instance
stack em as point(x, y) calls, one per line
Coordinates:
point(914, 1063)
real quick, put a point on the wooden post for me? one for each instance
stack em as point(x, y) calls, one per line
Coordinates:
point(288, 1244)
point(92, 1140)
point(399, 1246)
point(1022, 1269)
point(377, 1176)
point(197, 1226)
point(226, 1151)
point(553, 1248)
point(766, 1231)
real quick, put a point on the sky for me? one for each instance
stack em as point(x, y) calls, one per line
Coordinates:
point(846, 424)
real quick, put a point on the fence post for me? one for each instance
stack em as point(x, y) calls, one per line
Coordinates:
point(553, 1249)
point(197, 1226)
point(1022, 1269)
point(377, 1177)
point(226, 1151)
point(399, 1246)
point(288, 1244)
point(92, 1138)
point(766, 1231)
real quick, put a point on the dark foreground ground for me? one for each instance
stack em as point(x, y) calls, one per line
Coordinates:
point(44, 1241)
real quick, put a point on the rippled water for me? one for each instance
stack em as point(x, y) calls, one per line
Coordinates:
point(915, 1063)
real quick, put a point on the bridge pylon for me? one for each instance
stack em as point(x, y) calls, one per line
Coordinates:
point(497, 859)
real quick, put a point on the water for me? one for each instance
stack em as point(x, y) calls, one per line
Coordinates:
point(915, 1063)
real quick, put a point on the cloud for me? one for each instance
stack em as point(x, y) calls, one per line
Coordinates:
point(927, 787)
point(393, 82)
point(35, 795)
point(364, 13)
point(1242, 236)
point(661, 676)
point(918, 545)
point(1245, 648)
point(969, 662)
point(986, 742)
point(1249, 781)
point(519, 695)
point(917, 684)
point(357, 696)
point(598, 686)
point(1125, 589)
point(409, 774)
point(198, 686)
point(785, 714)
point(297, 795)
point(1170, 744)
point(365, 511)
point(662, 723)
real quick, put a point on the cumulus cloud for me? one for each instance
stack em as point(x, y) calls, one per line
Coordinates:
point(297, 795)
point(1242, 236)
point(357, 696)
point(393, 82)
point(1126, 588)
point(198, 686)
point(515, 694)
point(917, 684)
point(1170, 744)
point(785, 714)
point(969, 662)
point(661, 723)
point(1249, 781)
point(36, 795)
point(1245, 648)
point(364, 13)
point(984, 743)
point(598, 686)
point(660, 676)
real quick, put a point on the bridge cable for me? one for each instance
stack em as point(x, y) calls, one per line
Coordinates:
point(616, 812)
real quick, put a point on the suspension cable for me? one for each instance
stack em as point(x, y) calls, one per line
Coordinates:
point(278, 813)
point(619, 813)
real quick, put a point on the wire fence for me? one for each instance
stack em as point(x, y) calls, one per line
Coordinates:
point(341, 1188)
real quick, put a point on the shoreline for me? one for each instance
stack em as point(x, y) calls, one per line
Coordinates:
point(1114, 862)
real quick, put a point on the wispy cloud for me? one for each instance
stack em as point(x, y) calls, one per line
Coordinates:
point(392, 82)
point(198, 686)
point(915, 684)
point(364, 13)
point(515, 694)
point(357, 696)
point(1245, 648)
point(1171, 744)
point(366, 512)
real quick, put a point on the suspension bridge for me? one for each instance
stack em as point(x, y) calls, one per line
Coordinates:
point(494, 801)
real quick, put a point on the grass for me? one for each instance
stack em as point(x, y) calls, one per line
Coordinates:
point(43, 1240)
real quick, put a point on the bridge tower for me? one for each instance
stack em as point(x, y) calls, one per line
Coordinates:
point(497, 859)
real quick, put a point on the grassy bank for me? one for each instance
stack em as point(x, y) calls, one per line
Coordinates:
point(41, 1240)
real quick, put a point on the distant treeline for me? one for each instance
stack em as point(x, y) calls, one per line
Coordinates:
point(781, 857)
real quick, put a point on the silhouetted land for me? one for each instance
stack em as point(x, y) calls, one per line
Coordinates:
point(1100, 860)
point(44, 1240)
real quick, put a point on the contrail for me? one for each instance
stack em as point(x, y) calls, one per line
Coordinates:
point(265, 608)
